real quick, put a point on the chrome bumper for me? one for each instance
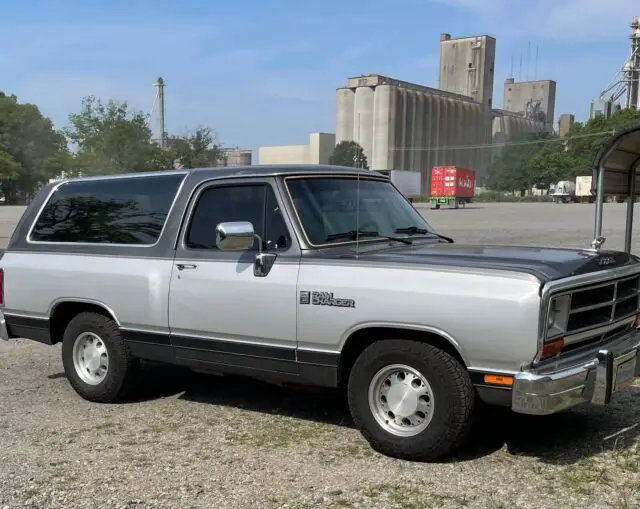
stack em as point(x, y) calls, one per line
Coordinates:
point(4, 333)
point(587, 380)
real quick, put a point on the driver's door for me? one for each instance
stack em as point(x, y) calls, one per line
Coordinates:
point(220, 313)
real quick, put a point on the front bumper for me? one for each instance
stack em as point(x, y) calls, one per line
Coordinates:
point(588, 378)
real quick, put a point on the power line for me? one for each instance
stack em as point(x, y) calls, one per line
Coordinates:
point(508, 143)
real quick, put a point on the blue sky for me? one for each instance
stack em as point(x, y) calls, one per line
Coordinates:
point(265, 72)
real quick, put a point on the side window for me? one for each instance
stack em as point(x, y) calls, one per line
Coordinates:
point(125, 210)
point(255, 203)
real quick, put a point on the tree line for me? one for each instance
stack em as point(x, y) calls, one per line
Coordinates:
point(102, 138)
point(543, 159)
point(110, 138)
point(537, 159)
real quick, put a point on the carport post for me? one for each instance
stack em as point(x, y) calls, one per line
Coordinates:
point(630, 205)
point(599, 201)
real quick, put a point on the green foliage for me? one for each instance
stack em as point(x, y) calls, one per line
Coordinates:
point(197, 150)
point(349, 153)
point(31, 150)
point(110, 139)
point(542, 159)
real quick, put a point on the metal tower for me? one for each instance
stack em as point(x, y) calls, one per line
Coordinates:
point(626, 81)
point(157, 112)
point(632, 67)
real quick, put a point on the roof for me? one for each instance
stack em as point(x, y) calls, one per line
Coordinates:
point(256, 170)
point(619, 157)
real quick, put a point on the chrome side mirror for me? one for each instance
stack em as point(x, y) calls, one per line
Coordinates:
point(235, 236)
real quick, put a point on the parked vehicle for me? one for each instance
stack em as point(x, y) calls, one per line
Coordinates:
point(409, 183)
point(583, 189)
point(316, 275)
point(564, 192)
point(451, 185)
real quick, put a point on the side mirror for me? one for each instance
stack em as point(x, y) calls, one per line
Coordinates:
point(235, 236)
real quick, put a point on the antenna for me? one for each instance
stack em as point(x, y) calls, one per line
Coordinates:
point(528, 59)
point(357, 162)
point(511, 73)
point(535, 72)
point(520, 75)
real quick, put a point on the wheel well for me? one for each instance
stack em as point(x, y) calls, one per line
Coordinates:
point(361, 339)
point(64, 312)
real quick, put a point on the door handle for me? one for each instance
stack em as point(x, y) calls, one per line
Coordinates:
point(186, 266)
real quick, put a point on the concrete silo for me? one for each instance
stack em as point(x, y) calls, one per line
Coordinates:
point(405, 126)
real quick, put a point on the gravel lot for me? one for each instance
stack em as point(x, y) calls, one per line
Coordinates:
point(189, 440)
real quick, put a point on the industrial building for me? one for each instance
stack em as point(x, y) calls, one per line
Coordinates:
point(531, 99)
point(626, 82)
point(467, 67)
point(407, 126)
point(317, 151)
point(403, 125)
point(565, 123)
point(508, 125)
point(235, 157)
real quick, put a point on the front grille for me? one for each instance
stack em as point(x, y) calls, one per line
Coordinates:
point(603, 304)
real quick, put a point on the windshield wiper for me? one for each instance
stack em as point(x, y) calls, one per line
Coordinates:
point(354, 234)
point(414, 230)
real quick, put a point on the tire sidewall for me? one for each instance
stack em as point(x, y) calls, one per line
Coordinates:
point(444, 399)
point(83, 324)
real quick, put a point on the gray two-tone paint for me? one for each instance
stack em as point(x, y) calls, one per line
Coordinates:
point(487, 302)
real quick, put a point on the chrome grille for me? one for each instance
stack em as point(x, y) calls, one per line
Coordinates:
point(603, 304)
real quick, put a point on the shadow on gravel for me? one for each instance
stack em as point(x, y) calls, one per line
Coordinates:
point(560, 439)
point(312, 404)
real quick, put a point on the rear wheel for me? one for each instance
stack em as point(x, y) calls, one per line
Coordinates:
point(95, 358)
point(411, 400)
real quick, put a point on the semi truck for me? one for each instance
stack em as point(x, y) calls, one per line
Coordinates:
point(451, 186)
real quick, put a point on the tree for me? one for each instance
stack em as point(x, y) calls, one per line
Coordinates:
point(542, 159)
point(197, 150)
point(349, 153)
point(513, 170)
point(111, 139)
point(586, 140)
point(31, 150)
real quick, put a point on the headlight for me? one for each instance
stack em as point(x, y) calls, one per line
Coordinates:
point(558, 316)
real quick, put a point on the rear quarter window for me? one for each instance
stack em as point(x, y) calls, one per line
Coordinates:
point(127, 210)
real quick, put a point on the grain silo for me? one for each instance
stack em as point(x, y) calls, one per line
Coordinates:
point(406, 126)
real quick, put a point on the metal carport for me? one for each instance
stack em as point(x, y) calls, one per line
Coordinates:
point(616, 173)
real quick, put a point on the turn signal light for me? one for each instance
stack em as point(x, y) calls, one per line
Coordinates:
point(498, 380)
point(636, 322)
point(552, 348)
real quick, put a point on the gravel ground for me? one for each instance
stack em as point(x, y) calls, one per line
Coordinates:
point(189, 440)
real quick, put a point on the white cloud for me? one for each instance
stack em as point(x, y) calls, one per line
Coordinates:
point(576, 20)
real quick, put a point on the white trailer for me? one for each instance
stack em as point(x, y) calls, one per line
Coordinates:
point(409, 183)
point(583, 188)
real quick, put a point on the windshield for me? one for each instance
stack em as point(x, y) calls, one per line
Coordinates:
point(327, 208)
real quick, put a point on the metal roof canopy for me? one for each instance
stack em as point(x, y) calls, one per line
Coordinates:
point(616, 172)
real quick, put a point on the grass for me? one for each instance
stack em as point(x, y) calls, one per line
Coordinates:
point(413, 496)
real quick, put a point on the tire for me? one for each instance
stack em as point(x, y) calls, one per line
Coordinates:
point(116, 379)
point(448, 387)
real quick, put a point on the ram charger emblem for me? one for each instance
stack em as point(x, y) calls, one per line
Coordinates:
point(325, 299)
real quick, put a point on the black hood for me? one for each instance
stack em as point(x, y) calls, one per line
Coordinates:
point(545, 263)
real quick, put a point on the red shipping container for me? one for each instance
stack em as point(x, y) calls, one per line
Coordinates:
point(452, 181)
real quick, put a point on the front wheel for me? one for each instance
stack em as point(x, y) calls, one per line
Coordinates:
point(411, 400)
point(95, 358)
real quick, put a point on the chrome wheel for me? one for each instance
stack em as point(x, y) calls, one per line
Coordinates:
point(401, 400)
point(90, 358)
